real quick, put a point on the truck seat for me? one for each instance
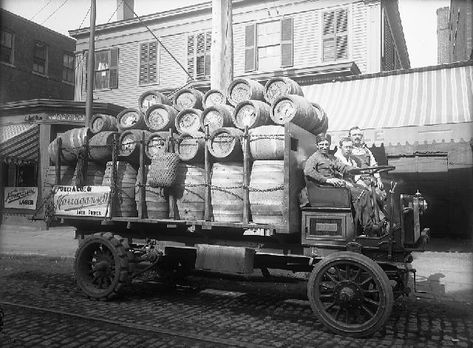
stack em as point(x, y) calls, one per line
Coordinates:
point(327, 196)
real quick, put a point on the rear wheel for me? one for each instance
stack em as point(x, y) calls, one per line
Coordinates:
point(350, 294)
point(102, 266)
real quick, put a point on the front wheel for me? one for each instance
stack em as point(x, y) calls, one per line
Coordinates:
point(101, 265)
point(350, 294)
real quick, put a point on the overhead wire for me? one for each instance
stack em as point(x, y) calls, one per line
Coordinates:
point(85, 17)
point(42, 8)
point(64, 2)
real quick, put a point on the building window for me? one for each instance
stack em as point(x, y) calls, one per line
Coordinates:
point(148, 63)
point(270, 45)
point(68, 67)
point(106, 69)
point(335, 35)
point(40, 58)
point(6, 49)
point(198, 55)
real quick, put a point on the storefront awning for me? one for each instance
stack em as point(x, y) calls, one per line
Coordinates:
point(19, 143)
point(417, 97)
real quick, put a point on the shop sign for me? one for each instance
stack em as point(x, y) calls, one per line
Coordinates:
point(81, 201)
point(20, 197)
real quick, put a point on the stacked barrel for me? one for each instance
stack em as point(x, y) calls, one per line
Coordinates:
point(176, 134)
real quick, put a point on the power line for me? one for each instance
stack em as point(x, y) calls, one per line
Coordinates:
point(88, 11)
point(64, 2)
point(42, 8)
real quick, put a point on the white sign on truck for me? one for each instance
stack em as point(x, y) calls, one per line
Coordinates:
point(82, 201)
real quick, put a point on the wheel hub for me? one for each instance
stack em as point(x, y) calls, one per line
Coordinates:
point(348, 294)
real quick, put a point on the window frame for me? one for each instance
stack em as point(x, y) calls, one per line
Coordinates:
point(12, 48)
point(68, 69)
point(148, 63)
point(113, 53)
point(195, 55)
point(335, 35)
point(44, 60)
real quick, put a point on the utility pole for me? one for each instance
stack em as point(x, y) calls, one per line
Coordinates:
point(90, 65)
point(221, 70)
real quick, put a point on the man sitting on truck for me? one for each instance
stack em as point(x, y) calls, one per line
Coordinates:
point(326, 170)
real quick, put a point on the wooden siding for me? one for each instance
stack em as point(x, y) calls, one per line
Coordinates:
point(173, 33)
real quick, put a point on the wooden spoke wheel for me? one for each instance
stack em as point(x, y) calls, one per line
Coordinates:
point(350, 294)
point(102, 266)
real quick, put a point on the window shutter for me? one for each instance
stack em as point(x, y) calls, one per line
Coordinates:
point(287, 42)
point(114, 67)
point(342, 36)
point(153, 62)
point(208, 45)
point(190, 55)
point(143, 78)
point(250, 43)
point(85, 57)
point(200, 61)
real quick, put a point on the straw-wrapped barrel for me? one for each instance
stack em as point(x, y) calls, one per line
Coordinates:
point(188, 121)
point(188, 98)
point(156, 198)
point(251, 113)
point(93, 176)
point(242, 89)
point(267, 142)
point(278, 86)
point(225, 144)
point(102, 123)
point(150, 98)
point(227, 192)
point(160, 117)
point(216, 116)
point(189, 191)
point(131, 119)
point(126, 182)
point(190, 147)
point(267, 191)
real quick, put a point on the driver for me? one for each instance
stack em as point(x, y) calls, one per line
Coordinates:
point(326, 170)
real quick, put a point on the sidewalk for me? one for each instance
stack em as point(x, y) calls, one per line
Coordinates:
point(444, 272)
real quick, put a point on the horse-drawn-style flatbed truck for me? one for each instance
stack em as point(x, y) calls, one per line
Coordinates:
point(352, 280)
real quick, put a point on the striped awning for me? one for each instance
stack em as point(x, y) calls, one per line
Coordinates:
point(418, 97)
point(19, 143)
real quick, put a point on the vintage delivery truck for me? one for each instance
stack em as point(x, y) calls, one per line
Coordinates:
point(234, 214)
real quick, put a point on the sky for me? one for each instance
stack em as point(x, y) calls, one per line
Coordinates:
point(418, 18)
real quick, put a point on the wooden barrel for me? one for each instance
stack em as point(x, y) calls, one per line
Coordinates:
point(295, 109)
point(225, 145)
point(267, 142)
point(73, 142)
point(102, 123)
point(267, 192)
point(129, 148)
point(189, 191)
point(278, 86)
point(227, 192)
point(151, 97)
point(156, 199)
point(131, 119)
point(216, 116)
point(94, 175)
point(67, 157)
point(66, 175)
point(188, 98)
point(242, 89)
point(156, 144)
point(251, 113)
point(190, 147)
point(323, 120)
point(160, 117)
point(214, 97)
point(101, 146)
point(126, 182)
point(188, 121)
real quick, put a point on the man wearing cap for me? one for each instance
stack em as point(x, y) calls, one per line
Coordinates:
point(326, 170)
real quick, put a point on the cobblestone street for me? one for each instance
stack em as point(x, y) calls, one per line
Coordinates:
point(43, 307)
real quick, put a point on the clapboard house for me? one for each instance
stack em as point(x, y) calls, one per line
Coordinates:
point(305, 40)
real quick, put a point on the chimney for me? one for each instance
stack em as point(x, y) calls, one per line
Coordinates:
point(125, 9)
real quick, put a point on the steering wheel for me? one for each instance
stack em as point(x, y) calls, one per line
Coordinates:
point(374, 169)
